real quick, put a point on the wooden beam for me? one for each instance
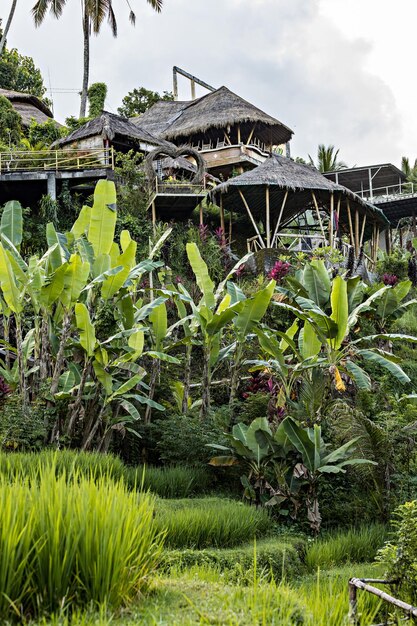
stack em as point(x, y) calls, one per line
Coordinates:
point(268, 218)
point(279, 219)
point(318, 214)
point(254, 224)
point(331, 219)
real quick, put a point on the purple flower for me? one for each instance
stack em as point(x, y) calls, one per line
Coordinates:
point(390, 279)
point(279, 271)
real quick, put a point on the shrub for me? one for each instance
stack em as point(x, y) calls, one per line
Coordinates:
point(275, 559)
point(205, 522)
point(21, 429)
point(352, 546)
point(183, 439)
point(77, 542)
point(400, 554)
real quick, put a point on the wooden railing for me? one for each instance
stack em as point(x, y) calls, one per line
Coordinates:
point(178, 188)
point(55, 160)
point(363, 584)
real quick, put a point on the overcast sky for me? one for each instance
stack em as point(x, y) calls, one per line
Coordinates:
point(335, 71)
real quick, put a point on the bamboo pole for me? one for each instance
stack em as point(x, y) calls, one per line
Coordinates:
point(279, 219)
point(318, 214)
point(268, 218)
point(362, 231)
point(357, 583)
point(201, 215)
point(154, 217)
point(352, 238)
point(331, 219)
point(254, 224)
point(222, 225)
point(357, 231)
point(251, 134)
point(238, 134)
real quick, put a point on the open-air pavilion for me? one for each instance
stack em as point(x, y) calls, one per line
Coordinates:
point(293, 202)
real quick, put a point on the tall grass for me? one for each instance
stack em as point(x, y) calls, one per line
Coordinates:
point(346, 546)
point(206, 522)
point(166, 482)
point(73, 543)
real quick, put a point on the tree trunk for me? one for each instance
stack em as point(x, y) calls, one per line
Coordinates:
point(187, 379)
point(89, 439)
point(59, 363)
point(156, 368)
point(7, 27)
point(86, 33)
point(21, 364)
point(44, 358)
point(75, 407)
point(6, 336)
point(234, 380)
point(206, 382)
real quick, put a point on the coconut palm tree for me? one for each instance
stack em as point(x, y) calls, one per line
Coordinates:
point(327, 159)
point(94, 12)
point(7, 27)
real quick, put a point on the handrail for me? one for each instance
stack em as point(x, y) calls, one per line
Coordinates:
point(56, 160)
point(363, 584)
point(401, 188)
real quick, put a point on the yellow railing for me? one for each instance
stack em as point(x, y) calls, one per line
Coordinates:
point(178, 188)
point(55, 160)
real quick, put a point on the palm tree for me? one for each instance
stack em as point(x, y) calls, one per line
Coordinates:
point(7, 27)
point(327, 159)
point(94, 12)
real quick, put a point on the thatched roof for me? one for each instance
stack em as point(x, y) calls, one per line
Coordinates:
point(158, 118)
point(110, 126)
point(282, 174)
point(29, 107)
point(177, 121)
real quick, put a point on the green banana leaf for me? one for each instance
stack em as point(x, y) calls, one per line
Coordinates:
point(12, 222)
point(86, 328)
point(103, 218)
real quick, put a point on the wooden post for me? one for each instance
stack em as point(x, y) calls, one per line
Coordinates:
point(201, 214)
point(238, 134)
point(254, 224)
point(279, 219)
point(353, 605)
point(192, 90)
point(230, 226)
point(318, 214)
point(331, 219)
point(268, 218)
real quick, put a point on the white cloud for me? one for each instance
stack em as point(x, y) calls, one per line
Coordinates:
point(289, 57)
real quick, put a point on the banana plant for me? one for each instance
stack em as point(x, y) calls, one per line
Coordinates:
point(324, 339)
point(211, 315)
point(317, 460)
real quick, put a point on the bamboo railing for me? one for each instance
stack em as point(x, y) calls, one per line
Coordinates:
point(363, 584)
point(56, 160)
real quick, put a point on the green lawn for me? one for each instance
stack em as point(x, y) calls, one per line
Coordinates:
point(200, 596)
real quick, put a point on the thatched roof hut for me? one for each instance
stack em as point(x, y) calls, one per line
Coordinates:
point(29, 107)
point(111, 129)
point(279, 190)
point(210, 117)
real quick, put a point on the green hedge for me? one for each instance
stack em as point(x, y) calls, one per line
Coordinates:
point(274, 559)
